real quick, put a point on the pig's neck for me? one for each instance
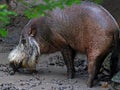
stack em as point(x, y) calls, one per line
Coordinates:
point(55, 43)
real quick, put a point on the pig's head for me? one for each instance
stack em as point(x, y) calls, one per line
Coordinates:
point(36, 38)
point(26, 53)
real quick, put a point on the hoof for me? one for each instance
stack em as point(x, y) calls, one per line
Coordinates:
point(89, 84)
point(70, 76)
point(11, 71)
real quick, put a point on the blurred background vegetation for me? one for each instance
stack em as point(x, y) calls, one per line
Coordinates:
point(33, 10)
point(4, 18)
point(47, 5)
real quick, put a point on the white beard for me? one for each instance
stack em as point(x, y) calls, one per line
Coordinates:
point(27, 54)
point(17, 54)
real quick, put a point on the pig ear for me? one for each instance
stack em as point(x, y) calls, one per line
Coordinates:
point(32, 31)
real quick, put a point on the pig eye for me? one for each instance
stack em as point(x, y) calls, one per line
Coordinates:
point(23, 41)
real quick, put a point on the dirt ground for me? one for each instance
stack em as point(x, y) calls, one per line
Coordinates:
point(51, 75)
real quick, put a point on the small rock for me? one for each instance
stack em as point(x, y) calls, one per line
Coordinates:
point(105, 85)
point(116, 78)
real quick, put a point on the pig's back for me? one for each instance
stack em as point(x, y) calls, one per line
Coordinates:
point(80, 23)
point(77, 17)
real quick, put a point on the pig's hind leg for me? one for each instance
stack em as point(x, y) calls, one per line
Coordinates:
point(95, 60)
point(114, 67)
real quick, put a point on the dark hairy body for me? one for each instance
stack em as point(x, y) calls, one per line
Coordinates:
point(87, 28)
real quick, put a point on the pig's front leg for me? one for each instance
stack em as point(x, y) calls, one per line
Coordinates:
point(68, 55)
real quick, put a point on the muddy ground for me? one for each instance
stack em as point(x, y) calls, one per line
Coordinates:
point(51, 74)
